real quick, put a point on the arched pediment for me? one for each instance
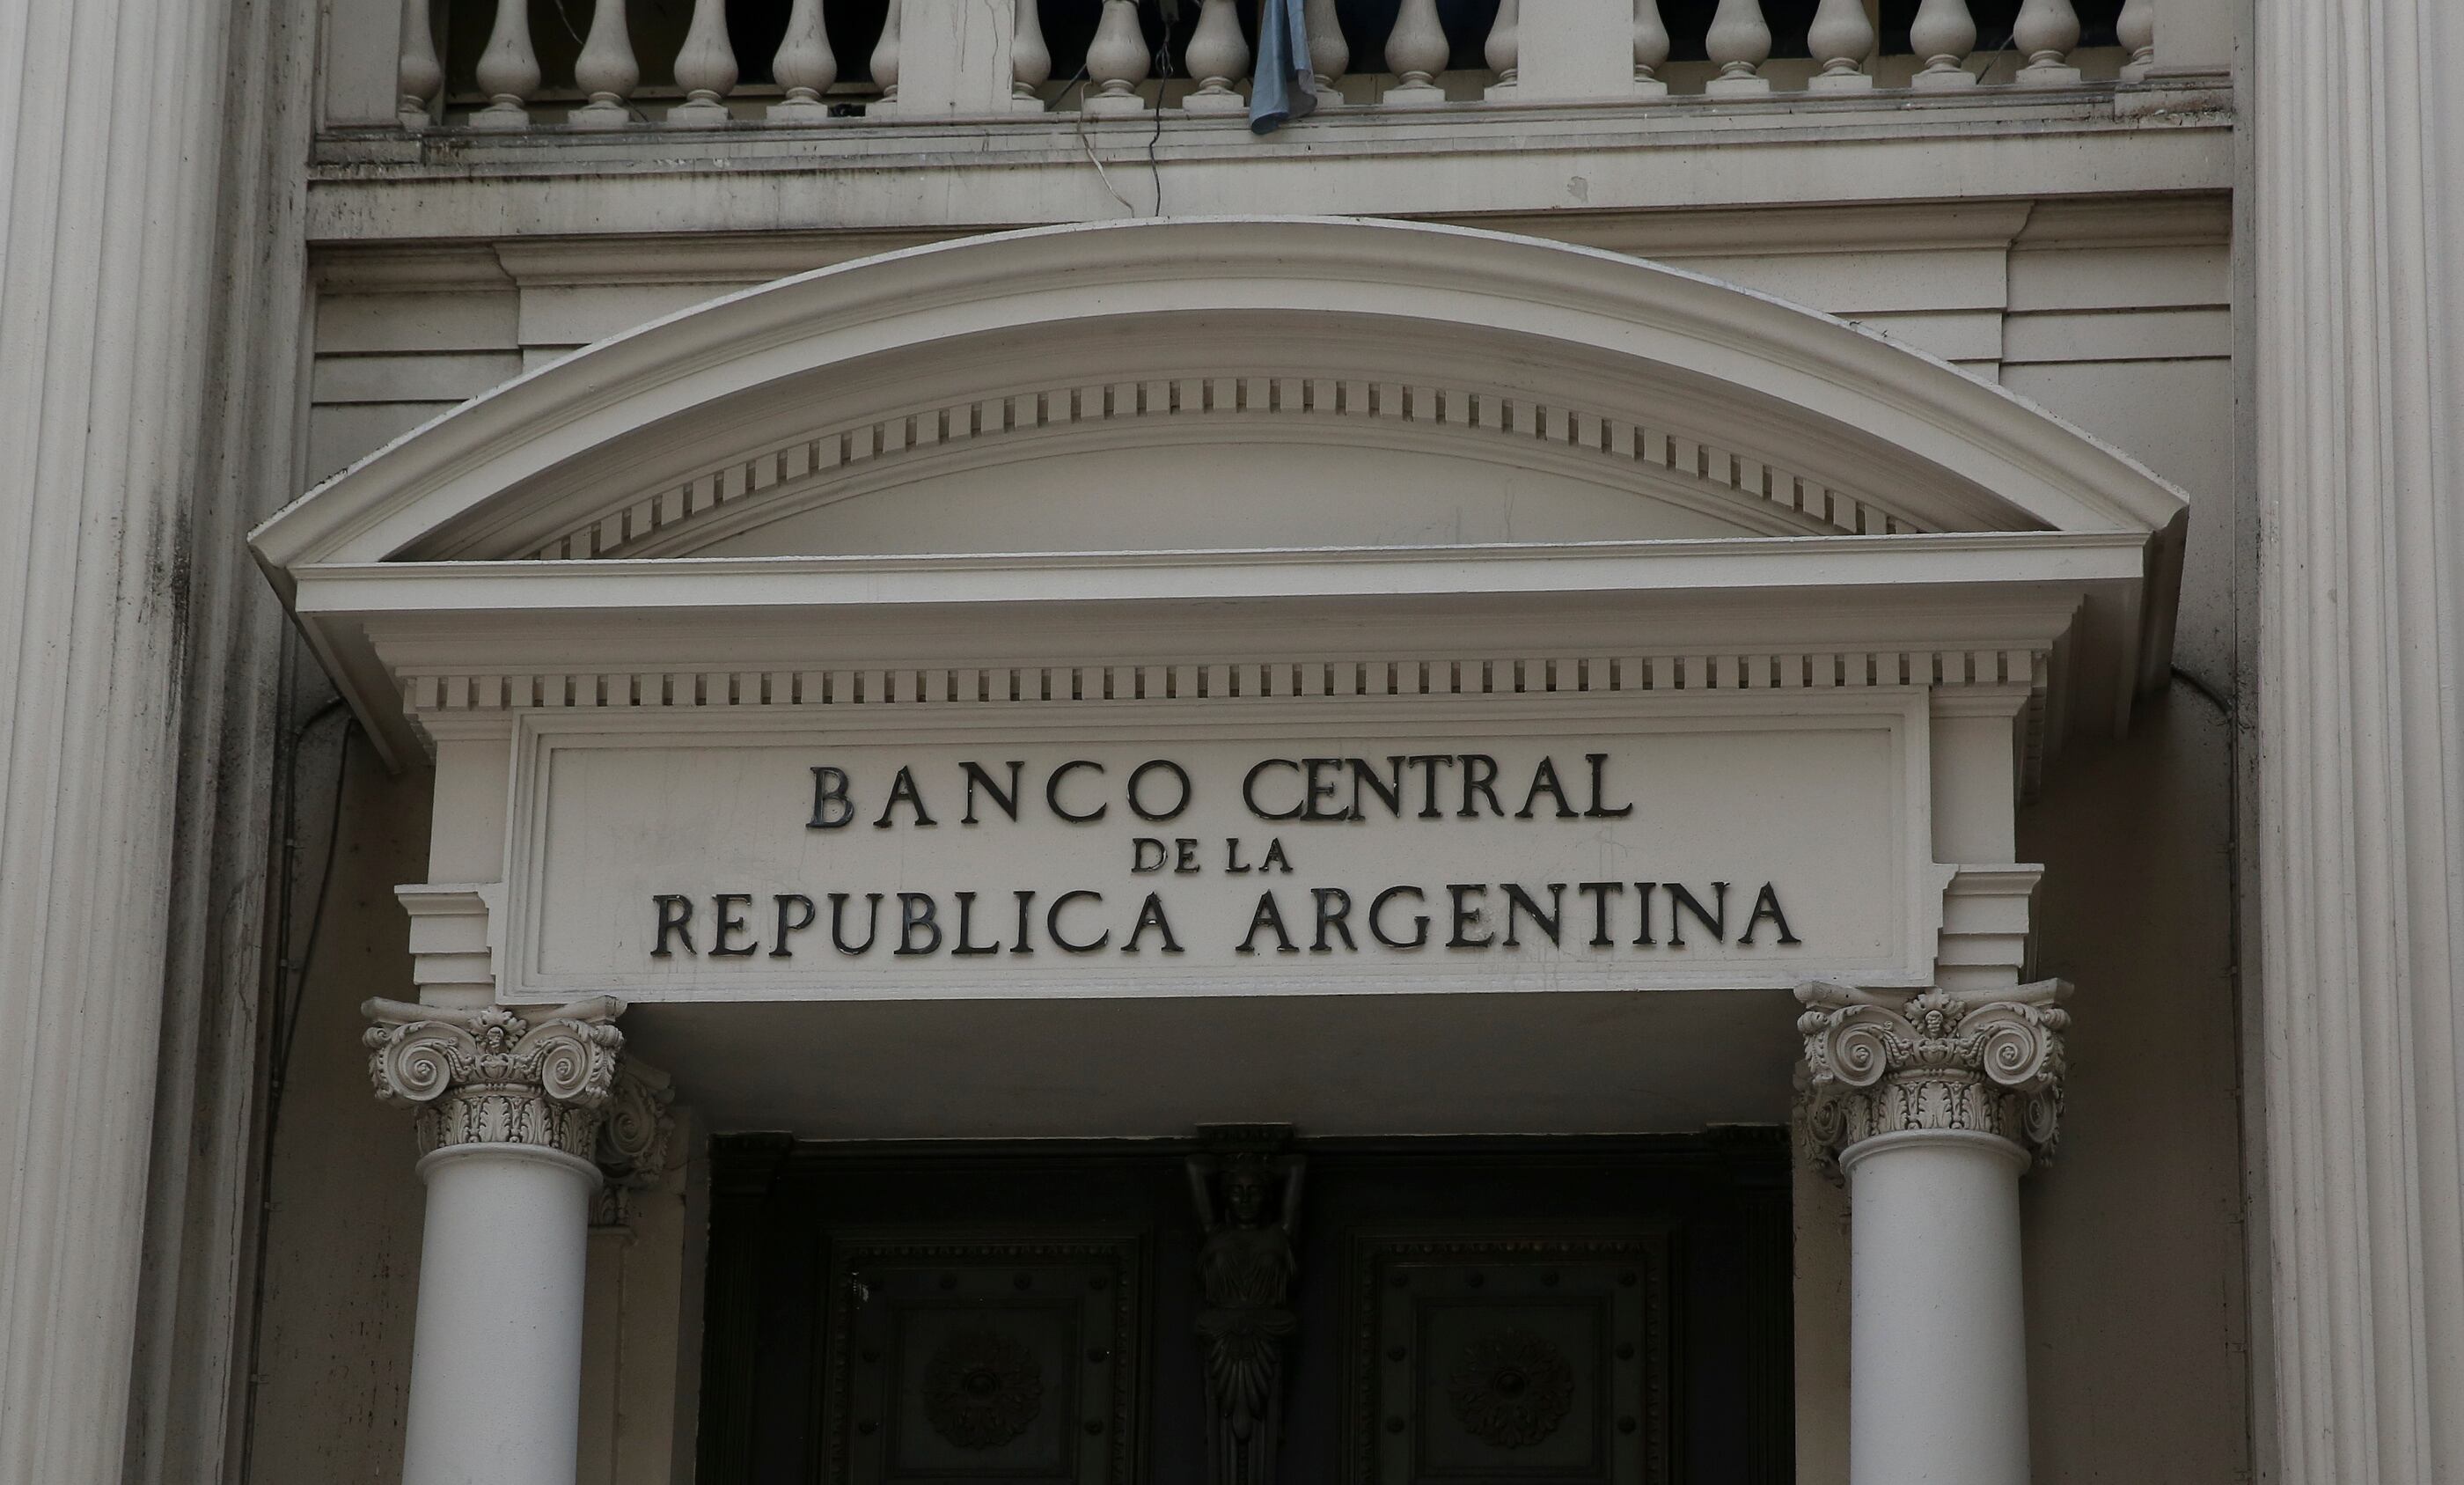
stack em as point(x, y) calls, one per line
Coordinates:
point(1228, 385)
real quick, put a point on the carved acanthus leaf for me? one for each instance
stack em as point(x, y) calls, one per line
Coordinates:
point(1881, 1062)
point(634, 1130)
point(493, 1075)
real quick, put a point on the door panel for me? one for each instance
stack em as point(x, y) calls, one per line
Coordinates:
point(1507, 1358)
point(982, 1359)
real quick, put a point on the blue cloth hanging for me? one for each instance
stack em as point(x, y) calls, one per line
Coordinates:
point(1283, 87)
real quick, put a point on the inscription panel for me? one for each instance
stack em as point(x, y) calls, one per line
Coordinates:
point(1719, 841)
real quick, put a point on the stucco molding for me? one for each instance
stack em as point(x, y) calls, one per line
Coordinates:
point(1887, 1062)
point(935, 308)
point(1304, 330)
point(493, 1075)
point(635, 1130)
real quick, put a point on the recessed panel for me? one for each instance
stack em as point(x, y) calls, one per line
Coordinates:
point(1172, 849)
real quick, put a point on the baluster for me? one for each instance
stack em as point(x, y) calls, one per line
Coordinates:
point(705, 69)
point(1740, 42)
point(884, 63)
point(805, 66)
point(1840, 38)
point(1329, 54)
point(509, 70)
point(1218, 57)
point(2136, 30)
point(1503, 51)
point(1415, 53)
point(2045, 33)
point(605, 69)
point(1943, 34)
point(1117, 60)
point(1030, 61)
point(417, 74)
point(1650, 49)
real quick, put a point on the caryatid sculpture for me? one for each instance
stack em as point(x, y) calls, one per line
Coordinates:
point(1248, 1199)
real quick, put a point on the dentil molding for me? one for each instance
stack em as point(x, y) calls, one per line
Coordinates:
point(1883, 1062)
point(1702, 471)
point(493, 1075)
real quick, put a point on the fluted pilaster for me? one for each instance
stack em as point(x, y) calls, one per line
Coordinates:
point(107, 236)
point(2358, 451)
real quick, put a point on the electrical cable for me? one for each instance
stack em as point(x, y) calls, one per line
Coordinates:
point(2223, 708)
point(288, 1031)
point(289, 993)
point(1993, 53)
point(1078, 117)
point(1162, 71)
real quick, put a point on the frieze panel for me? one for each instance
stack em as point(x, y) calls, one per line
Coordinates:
point(1501, 842)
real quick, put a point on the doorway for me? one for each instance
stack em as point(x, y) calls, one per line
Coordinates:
point(1249, 1308)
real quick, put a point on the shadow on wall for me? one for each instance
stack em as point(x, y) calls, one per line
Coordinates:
point(2134, 1256)
point(342, 1266)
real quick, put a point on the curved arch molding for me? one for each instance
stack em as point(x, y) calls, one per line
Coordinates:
point(1822, 490)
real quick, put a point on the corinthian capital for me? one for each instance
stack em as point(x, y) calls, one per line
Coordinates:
point(1881, 1062)
point(491, 1075)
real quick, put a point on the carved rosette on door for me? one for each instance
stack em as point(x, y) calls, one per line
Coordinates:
point(1507, 1358)
point(955, 1359)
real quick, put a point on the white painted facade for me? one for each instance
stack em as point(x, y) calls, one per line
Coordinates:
point(2014, 489)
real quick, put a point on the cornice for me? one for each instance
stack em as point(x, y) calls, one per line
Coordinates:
point(2199, 219)
point(1920, 118)
point(945, 328)
point(936, 307)
point(445, 702)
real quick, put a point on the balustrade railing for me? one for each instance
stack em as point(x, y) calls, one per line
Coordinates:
point(526, 64)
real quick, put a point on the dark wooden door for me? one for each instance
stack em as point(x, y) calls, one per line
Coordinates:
point(1558, 1311)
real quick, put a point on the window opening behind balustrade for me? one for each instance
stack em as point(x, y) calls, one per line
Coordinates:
point(656, 29)
point(755, 27)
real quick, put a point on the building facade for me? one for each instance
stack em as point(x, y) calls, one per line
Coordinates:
point(1126, 742)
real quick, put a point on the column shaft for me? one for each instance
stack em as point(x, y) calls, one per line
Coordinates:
point(1938, 1382)
point(495, 1370)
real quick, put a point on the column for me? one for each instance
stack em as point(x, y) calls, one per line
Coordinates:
point(1933, 1103)
point(2357, 889)
point(509, 1109)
